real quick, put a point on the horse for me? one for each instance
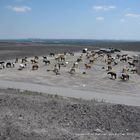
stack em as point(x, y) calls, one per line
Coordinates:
point(62, 57)
point(46, 61)
point(35, 67)
point(52, 54)
point(16, 61)
point(91, 61)
point(33, 61)
point(109, 62)
point(2, 64)
point(129, 58)
point(124, 55)
point(108, 56)
point(113, 74)
point(134, 70)
point(88, 66)
point(72, 71)
point(75, 65)
point(118, 56)
point(125, 77)
point(79, 60)
point(123, 59)
point(109, 68)
point(9, 65)
point(21, 66)
point(24, 60)
point(131, 64)
point(44, 57)
point(124, 70)
point(135, 61)
point(36, 57)
point(56, 71)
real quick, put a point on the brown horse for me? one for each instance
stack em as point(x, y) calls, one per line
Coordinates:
point(113, 74)
point(35, 67)
point(24, 60)
point(33, 61)
point(88, 66)
point(62, 57)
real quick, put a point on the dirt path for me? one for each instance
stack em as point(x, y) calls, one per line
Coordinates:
point(133, 99)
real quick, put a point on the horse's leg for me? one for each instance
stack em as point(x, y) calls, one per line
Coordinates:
point(114, 76)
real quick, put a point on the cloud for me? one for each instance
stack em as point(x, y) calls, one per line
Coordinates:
point(103, 7)
point(133, 15)
point(19, 9)
point(99, 18)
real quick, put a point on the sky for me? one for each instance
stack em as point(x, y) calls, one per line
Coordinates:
point(70, 19)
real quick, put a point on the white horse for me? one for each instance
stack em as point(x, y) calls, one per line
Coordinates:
point(21, 66)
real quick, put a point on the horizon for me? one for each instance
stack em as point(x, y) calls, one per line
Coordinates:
point(88, 39)
point(71, 41)
point(70, 19)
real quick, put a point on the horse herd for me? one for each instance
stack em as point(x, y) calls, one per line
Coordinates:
point(86, 58)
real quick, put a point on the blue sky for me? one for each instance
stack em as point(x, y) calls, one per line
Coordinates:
point(70, 19)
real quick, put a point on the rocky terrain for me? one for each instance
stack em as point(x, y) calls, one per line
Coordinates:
point(27, 115)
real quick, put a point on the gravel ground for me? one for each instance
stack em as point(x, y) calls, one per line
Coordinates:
point(26, 115)
point(13, 49)
point(94, 84)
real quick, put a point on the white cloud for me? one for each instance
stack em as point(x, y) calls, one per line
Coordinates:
point(103, 7)
point(99, 18)
point(132, 15)
point(19, 9)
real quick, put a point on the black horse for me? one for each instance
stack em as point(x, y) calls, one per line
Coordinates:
point(52, 54)
point(46, 61)
point(131, 64)
point(125, 77)
point(123, 59)
point(113, 74)
point(135, 61)
point(9, 65)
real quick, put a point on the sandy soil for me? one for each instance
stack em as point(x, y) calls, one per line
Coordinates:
point(95, 84)
point(36, 116)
